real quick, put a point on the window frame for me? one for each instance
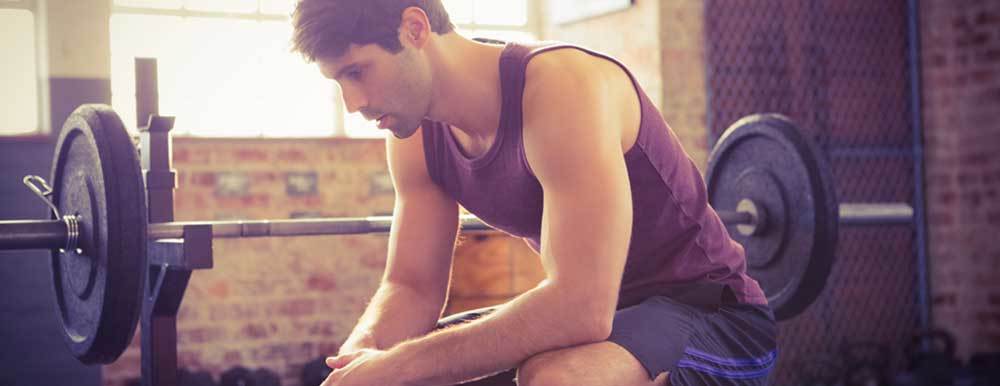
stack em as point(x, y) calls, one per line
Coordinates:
point(533, 25)
point(43, 127)
point(29, 5)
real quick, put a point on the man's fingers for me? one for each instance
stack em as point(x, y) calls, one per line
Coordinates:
point(331, 380)
point(341, 360)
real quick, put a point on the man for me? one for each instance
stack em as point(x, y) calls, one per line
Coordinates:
point(560, 146)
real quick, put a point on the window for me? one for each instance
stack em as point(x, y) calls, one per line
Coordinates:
point(19, 97)
point(225, 69)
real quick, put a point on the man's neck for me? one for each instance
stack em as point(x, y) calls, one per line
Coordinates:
point(466, 90)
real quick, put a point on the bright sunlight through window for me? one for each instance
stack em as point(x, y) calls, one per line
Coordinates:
point(225, 68)
point(18, 73)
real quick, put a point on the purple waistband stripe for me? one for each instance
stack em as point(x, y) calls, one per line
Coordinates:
point(764, 360)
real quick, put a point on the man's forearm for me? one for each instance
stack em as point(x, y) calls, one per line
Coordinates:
point(537, 321)
point(397, 313)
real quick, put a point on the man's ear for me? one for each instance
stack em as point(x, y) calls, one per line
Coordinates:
point(414, 27)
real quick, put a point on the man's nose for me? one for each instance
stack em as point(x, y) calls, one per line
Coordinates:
point(354, 99)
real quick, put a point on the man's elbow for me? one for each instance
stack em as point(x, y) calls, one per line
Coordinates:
point(586, 314)
point(596, 329)
point(593, 322)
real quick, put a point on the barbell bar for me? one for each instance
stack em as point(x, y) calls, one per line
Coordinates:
point(55, 234)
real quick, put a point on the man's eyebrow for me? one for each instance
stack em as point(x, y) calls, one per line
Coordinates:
point(346, 68)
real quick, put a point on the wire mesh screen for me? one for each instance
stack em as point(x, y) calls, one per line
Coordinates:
point(839, 68)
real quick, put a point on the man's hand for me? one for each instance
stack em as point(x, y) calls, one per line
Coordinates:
point(361, 368)
point(358, 343)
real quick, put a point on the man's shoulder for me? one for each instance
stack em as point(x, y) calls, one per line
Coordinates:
point(564, 74)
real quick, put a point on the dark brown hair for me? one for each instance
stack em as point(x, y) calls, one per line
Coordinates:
point(325, 28)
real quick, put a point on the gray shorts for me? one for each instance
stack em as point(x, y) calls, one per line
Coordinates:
point(731, 344)
point(727, 344)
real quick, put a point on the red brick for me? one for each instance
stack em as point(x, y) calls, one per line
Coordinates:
point(972, 199)
point(249, 154)
point(946, 198)
point(232, 356)
point(296, 307)
point(993, 218)
point(987, 17)
point(283, 352)
point(373, 261)
point(311, 201)
point(202, 179)
point(989, 56)
point(257, 287)
point(190, 155)
point(947, 299)
point(233, 311)
point(258, 178)
point(328, 348)
point(325, 329)
point(188, 358)
point(192, 202)
point(322, 282)
point(187, 314)
point(200, 335)
point(975, 159)
point(983, 76)
point(988, 318)
point(937, 60)
point(256, 201)
point(320, 328)
point(990, 95)
point(292, 155)
point(941, 219)
point(181, 155)
point(218, 290)
point(968, 178)
point(258, 330)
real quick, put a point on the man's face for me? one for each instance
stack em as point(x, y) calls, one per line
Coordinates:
point(393, 89)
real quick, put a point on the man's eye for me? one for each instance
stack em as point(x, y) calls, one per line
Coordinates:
point(354, 74)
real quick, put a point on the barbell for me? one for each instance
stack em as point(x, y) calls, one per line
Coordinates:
point(768, 183)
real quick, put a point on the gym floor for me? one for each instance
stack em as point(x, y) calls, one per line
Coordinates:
point(843, 67)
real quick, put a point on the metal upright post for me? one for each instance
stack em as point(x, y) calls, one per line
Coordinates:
point(919, 199)
point(171, 261)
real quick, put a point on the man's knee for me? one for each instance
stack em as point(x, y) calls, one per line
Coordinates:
point(540, 371)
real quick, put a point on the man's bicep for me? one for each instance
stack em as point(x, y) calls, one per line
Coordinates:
point(577, 156)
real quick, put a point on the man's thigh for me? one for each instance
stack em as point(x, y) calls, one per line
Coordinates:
point(731, 345)
point(597, 364)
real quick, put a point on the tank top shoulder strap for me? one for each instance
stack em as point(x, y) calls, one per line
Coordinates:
point(513, 66)
point(512, 62)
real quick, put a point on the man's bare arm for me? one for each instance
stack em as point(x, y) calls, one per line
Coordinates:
point(411, 297)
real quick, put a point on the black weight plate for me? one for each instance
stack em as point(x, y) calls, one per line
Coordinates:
point(96, 175)
point(766, 159)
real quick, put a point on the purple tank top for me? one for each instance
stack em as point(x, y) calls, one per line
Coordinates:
point(679, 247)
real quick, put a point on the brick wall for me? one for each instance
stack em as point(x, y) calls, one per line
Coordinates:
point(682, 53)
point(278, 302)
point(961, 76)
